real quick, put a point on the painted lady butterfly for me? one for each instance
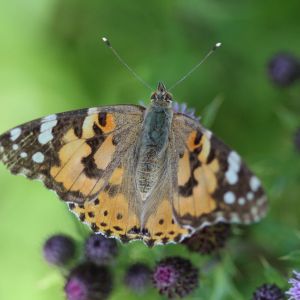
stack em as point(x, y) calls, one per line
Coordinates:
point(135, 173)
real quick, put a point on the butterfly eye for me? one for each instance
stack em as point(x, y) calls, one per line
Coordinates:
point(168, 97)
point(153, 96)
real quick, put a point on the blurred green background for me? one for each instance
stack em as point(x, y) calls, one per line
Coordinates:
point(52, 60)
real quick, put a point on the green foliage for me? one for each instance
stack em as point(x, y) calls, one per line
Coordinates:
point(293, 257)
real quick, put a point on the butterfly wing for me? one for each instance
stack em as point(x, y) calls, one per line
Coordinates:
point(213, 184)
point(73, 153)
point(119, 211)
point(112, 213)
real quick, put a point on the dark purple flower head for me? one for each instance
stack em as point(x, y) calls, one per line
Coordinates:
point(100, 250)
point(268, 292)
point(209, 239)
point(88, 282)
point(297, 139)
point(294, 291)
point(284, 69)
point(137, 277)
point(175, 277)
point(59, 249)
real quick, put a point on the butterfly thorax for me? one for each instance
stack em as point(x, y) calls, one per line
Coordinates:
point(153, 144)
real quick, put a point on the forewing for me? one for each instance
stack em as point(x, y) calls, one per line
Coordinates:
point(213, 183)
point(73, 153)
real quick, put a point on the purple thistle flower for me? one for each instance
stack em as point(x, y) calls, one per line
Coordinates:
point(100, 250)
point(137, 277)
point(294, 291)
point(284, 69)
point(59, 249)
point(183, 109)
point(209, 239)
point(88, 282)
point(175, 277)
point(268, 292)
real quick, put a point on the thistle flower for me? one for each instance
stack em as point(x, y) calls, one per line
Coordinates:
point(183, 109)
point(284, 69)
point(88, 282)
point(175, 277)
point(294, 291)
point(100, 250)
point(209, 239)
point(268, 292)
point(59, 249)
point(137, 277)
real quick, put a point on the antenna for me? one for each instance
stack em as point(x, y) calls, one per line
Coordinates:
point(108, 44)
point(213, 49)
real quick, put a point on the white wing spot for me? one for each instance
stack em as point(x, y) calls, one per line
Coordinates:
point(234, 217)
point(1, 149)
point(250, 196)
point(49, 118)
point(15, 147)
point(93, 110)
point(234, 157)
point(23, 154)
point(234, 165)
point(15, 133)
point(254, 183)
point(229, 197)
point(48, 125)
point(208, 134)
point(45, 137)
point(231, 176)
point(242, 201)
point(38, 157)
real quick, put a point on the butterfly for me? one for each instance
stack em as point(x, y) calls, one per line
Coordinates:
point(132, 172)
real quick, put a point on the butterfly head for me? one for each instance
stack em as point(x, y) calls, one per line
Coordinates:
point(161, 96)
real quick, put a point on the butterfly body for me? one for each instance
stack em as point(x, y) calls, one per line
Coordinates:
point(133, 173)
point(152, 147)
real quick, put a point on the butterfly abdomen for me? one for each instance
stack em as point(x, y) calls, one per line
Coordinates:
point(151, 147)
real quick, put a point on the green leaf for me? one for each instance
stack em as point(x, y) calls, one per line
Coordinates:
point(293, 256)
point(211, 110)
point(289, 119)
point(53, 278)
point(223, 286)
point(271, 274)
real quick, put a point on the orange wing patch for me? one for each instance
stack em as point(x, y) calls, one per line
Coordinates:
point(104, 121)
point(83, 159)
point(110, 213)
point(161, 227)
point(197, 179)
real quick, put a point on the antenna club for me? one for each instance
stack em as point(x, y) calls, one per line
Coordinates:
point(106, 41)
point(217, 45)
